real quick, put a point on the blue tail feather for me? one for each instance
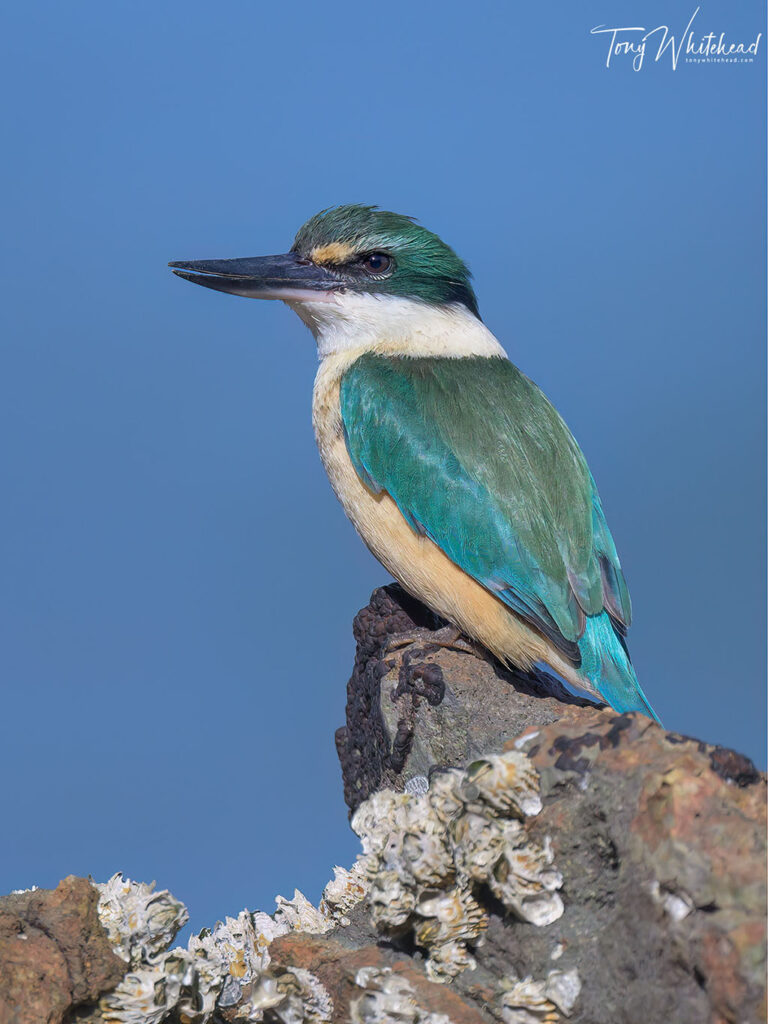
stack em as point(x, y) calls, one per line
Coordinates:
point(605, 662)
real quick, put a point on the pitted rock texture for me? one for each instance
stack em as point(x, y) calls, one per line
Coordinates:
point(412, 704)
point(663, 859)
point(54, 953)
point(660, 838)
point(364, 745)
point(661, 843)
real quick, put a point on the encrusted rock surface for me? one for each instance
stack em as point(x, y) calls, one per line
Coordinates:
point(524, 860)
point(412, 704)
point(54, 953)
point(430, 858)
point(663, 860)
point(338, 964)
point(660, 838)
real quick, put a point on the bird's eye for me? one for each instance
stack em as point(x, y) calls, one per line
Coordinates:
point(376, 262)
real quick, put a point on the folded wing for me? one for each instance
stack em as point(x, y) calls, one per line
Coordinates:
point(476, 458)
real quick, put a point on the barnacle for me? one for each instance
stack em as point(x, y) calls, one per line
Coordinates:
point(227, 967)
point(139, 922)
point(524, 879)
point(403, 830)
point(299, 915)
point(448, 922)
point(524, 1002)
point(344, 891)
point(251, 1005)
point(445, 796)
point(479, 844)
point(450, 958)
point(426, 857)
point(538, 1002)
point(148, 994)
point(507, 782)
point(267, 928)
point(389, 998)
point(226, 960)
point(563, 988)
point(391, 901)
point(304, 998)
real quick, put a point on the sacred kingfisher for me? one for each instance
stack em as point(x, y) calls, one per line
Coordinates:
point(455, 469)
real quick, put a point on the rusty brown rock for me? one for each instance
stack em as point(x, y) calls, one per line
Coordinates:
point(54, 954)
point(664, 862)
point(336, 966)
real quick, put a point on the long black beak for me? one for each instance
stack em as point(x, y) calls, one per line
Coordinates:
point(262, 277)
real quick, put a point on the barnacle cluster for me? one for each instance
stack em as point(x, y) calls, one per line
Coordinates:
point(427, 855)
point(344, 891)
point(223, 970)
point(525, 1001)
point(388, 998)
point(426, 858)
point(139, 922)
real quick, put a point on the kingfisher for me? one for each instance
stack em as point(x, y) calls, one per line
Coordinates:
point(455, 469)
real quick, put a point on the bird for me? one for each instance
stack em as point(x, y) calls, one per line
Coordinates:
point(456, 471)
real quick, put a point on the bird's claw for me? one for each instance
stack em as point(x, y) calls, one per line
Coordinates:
point(449, 638)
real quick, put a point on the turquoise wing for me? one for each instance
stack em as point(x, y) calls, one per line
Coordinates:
point(477, 459)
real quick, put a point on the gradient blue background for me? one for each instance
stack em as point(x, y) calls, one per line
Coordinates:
point(178, 580)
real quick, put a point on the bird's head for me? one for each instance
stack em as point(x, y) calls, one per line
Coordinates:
point(341, 254)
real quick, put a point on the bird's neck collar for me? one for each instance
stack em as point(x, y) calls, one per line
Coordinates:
point(352, 321)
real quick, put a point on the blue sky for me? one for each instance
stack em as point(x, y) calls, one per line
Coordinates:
point(179, 582)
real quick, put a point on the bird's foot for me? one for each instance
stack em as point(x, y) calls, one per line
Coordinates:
point(449, 637)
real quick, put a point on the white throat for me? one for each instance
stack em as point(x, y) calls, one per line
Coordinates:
point(387, 323)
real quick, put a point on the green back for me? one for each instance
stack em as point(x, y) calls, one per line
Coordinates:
point(477, 458)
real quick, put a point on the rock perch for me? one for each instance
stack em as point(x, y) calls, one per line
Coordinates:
point(526, 858)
